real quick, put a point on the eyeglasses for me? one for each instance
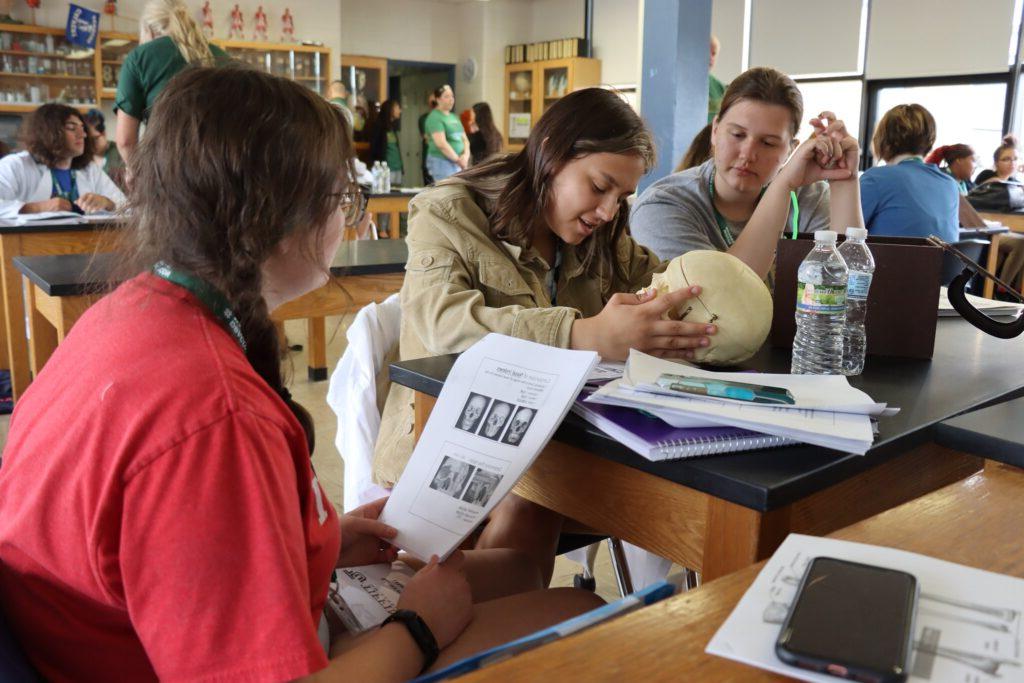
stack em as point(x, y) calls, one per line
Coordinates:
point(353, 204)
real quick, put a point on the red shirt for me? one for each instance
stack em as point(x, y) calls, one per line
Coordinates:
point(160, 517)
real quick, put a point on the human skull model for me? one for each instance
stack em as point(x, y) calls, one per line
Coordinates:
point(519, 424)
point(496, 420)
point(474, 409)
point(732, 297)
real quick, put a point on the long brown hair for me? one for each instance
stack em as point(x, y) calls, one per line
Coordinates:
point(514, 189)
point(904, 129)
point(769, 86)
point(698, 152)
point(42, 135)
point(489, 131)
point(233, 161)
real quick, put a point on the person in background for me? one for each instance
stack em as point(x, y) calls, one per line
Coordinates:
point(907, 197)
point(757, 180)
point(431, 105)
point(956, 160)
point(162, 520)
point(486, 141)
point(338, 94)
point(169, 40)
point(384, 139)
point(698, 152)
point(58, 170)
point(106, 152)
point(535, 245)
point(1004, 163)
point(716, 89)
point(447, 144)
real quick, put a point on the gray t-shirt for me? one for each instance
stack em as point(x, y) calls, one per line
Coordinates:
point(675, 215)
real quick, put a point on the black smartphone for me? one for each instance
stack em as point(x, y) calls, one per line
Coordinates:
point(851, 620)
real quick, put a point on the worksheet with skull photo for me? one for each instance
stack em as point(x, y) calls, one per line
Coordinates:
point(500, 404)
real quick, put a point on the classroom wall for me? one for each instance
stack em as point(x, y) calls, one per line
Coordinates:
point(727, 24)
point(413, 30)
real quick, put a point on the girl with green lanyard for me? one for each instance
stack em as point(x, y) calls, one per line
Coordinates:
point(759, 182)
point(57, 171)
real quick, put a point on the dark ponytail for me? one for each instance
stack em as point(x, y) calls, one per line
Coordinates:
point(233, 161)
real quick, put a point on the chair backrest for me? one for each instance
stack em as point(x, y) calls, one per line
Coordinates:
point(14, 665)
point(951, 265)
point(352, 395)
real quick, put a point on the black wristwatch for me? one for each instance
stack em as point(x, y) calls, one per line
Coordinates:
point(420, 633)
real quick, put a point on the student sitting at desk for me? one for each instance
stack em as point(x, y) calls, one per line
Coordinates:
point(747, 194)
point(907, 197)
point(161, 516)
point(534, 245)
point(956, 160)
point(1004, 163)
point(57, 171)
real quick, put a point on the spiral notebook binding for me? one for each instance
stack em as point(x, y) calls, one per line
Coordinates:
point(700, 446)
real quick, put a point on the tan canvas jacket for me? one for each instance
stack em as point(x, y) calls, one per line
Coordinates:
point(461, 283)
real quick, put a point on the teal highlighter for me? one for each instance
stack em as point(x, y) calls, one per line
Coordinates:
point(738, 391)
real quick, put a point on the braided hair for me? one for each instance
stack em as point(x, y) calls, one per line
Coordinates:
point(234, 161)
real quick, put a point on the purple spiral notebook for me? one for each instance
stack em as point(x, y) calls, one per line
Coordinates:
point(655, 439)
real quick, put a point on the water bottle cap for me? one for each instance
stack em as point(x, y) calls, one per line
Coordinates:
point(856, 233)
point(825, 236)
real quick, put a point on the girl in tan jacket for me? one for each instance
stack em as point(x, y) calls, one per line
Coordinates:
point(535, 245)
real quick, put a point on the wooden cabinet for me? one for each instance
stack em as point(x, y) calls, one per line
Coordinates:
point(38, 65)
point(532, 87)
point(113, 48)
point(367, 77)
point(307, 64)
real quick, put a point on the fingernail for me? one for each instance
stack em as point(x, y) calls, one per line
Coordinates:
point(704, 342)
point(710, 329)
point(694, 290)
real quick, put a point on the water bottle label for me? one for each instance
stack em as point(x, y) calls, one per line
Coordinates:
point(823, 299)
point(858, 284)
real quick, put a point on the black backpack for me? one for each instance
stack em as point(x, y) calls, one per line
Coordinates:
point(998, 196)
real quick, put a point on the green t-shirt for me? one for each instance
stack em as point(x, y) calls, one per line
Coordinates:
point(392, 154)
point(715, 92)
point(145, 73)
point(449, 124)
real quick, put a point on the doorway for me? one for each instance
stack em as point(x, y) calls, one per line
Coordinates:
point(411, 84)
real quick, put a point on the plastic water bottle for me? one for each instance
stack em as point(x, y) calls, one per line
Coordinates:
point(375, 172)
point(385, 178)
point(861, 266)
point(820, 309)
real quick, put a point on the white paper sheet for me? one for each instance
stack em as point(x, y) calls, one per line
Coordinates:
point(986, 306)
point(817, 392)
point(502, 401)
point(968, 625)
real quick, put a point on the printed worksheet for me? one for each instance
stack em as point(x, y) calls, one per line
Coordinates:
point(501, 403)
point(968, 624)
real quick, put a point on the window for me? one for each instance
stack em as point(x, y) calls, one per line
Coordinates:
point(969, 111)
point(841, 97)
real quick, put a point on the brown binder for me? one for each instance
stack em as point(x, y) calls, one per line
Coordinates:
point(903, 302)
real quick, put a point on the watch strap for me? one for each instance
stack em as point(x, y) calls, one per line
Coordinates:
point(420, 633)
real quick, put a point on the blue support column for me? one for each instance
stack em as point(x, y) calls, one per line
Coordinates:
point(674, 82)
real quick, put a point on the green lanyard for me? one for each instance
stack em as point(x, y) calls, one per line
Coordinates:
point(71, 195)
point(723, 227)
point(206, 293)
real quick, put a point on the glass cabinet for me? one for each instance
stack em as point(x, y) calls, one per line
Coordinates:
point(38, 65)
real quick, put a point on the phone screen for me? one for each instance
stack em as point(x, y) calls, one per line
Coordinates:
point(855, 617)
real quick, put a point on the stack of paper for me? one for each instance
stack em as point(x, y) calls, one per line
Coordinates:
point(987, 306)
point(827, 411)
